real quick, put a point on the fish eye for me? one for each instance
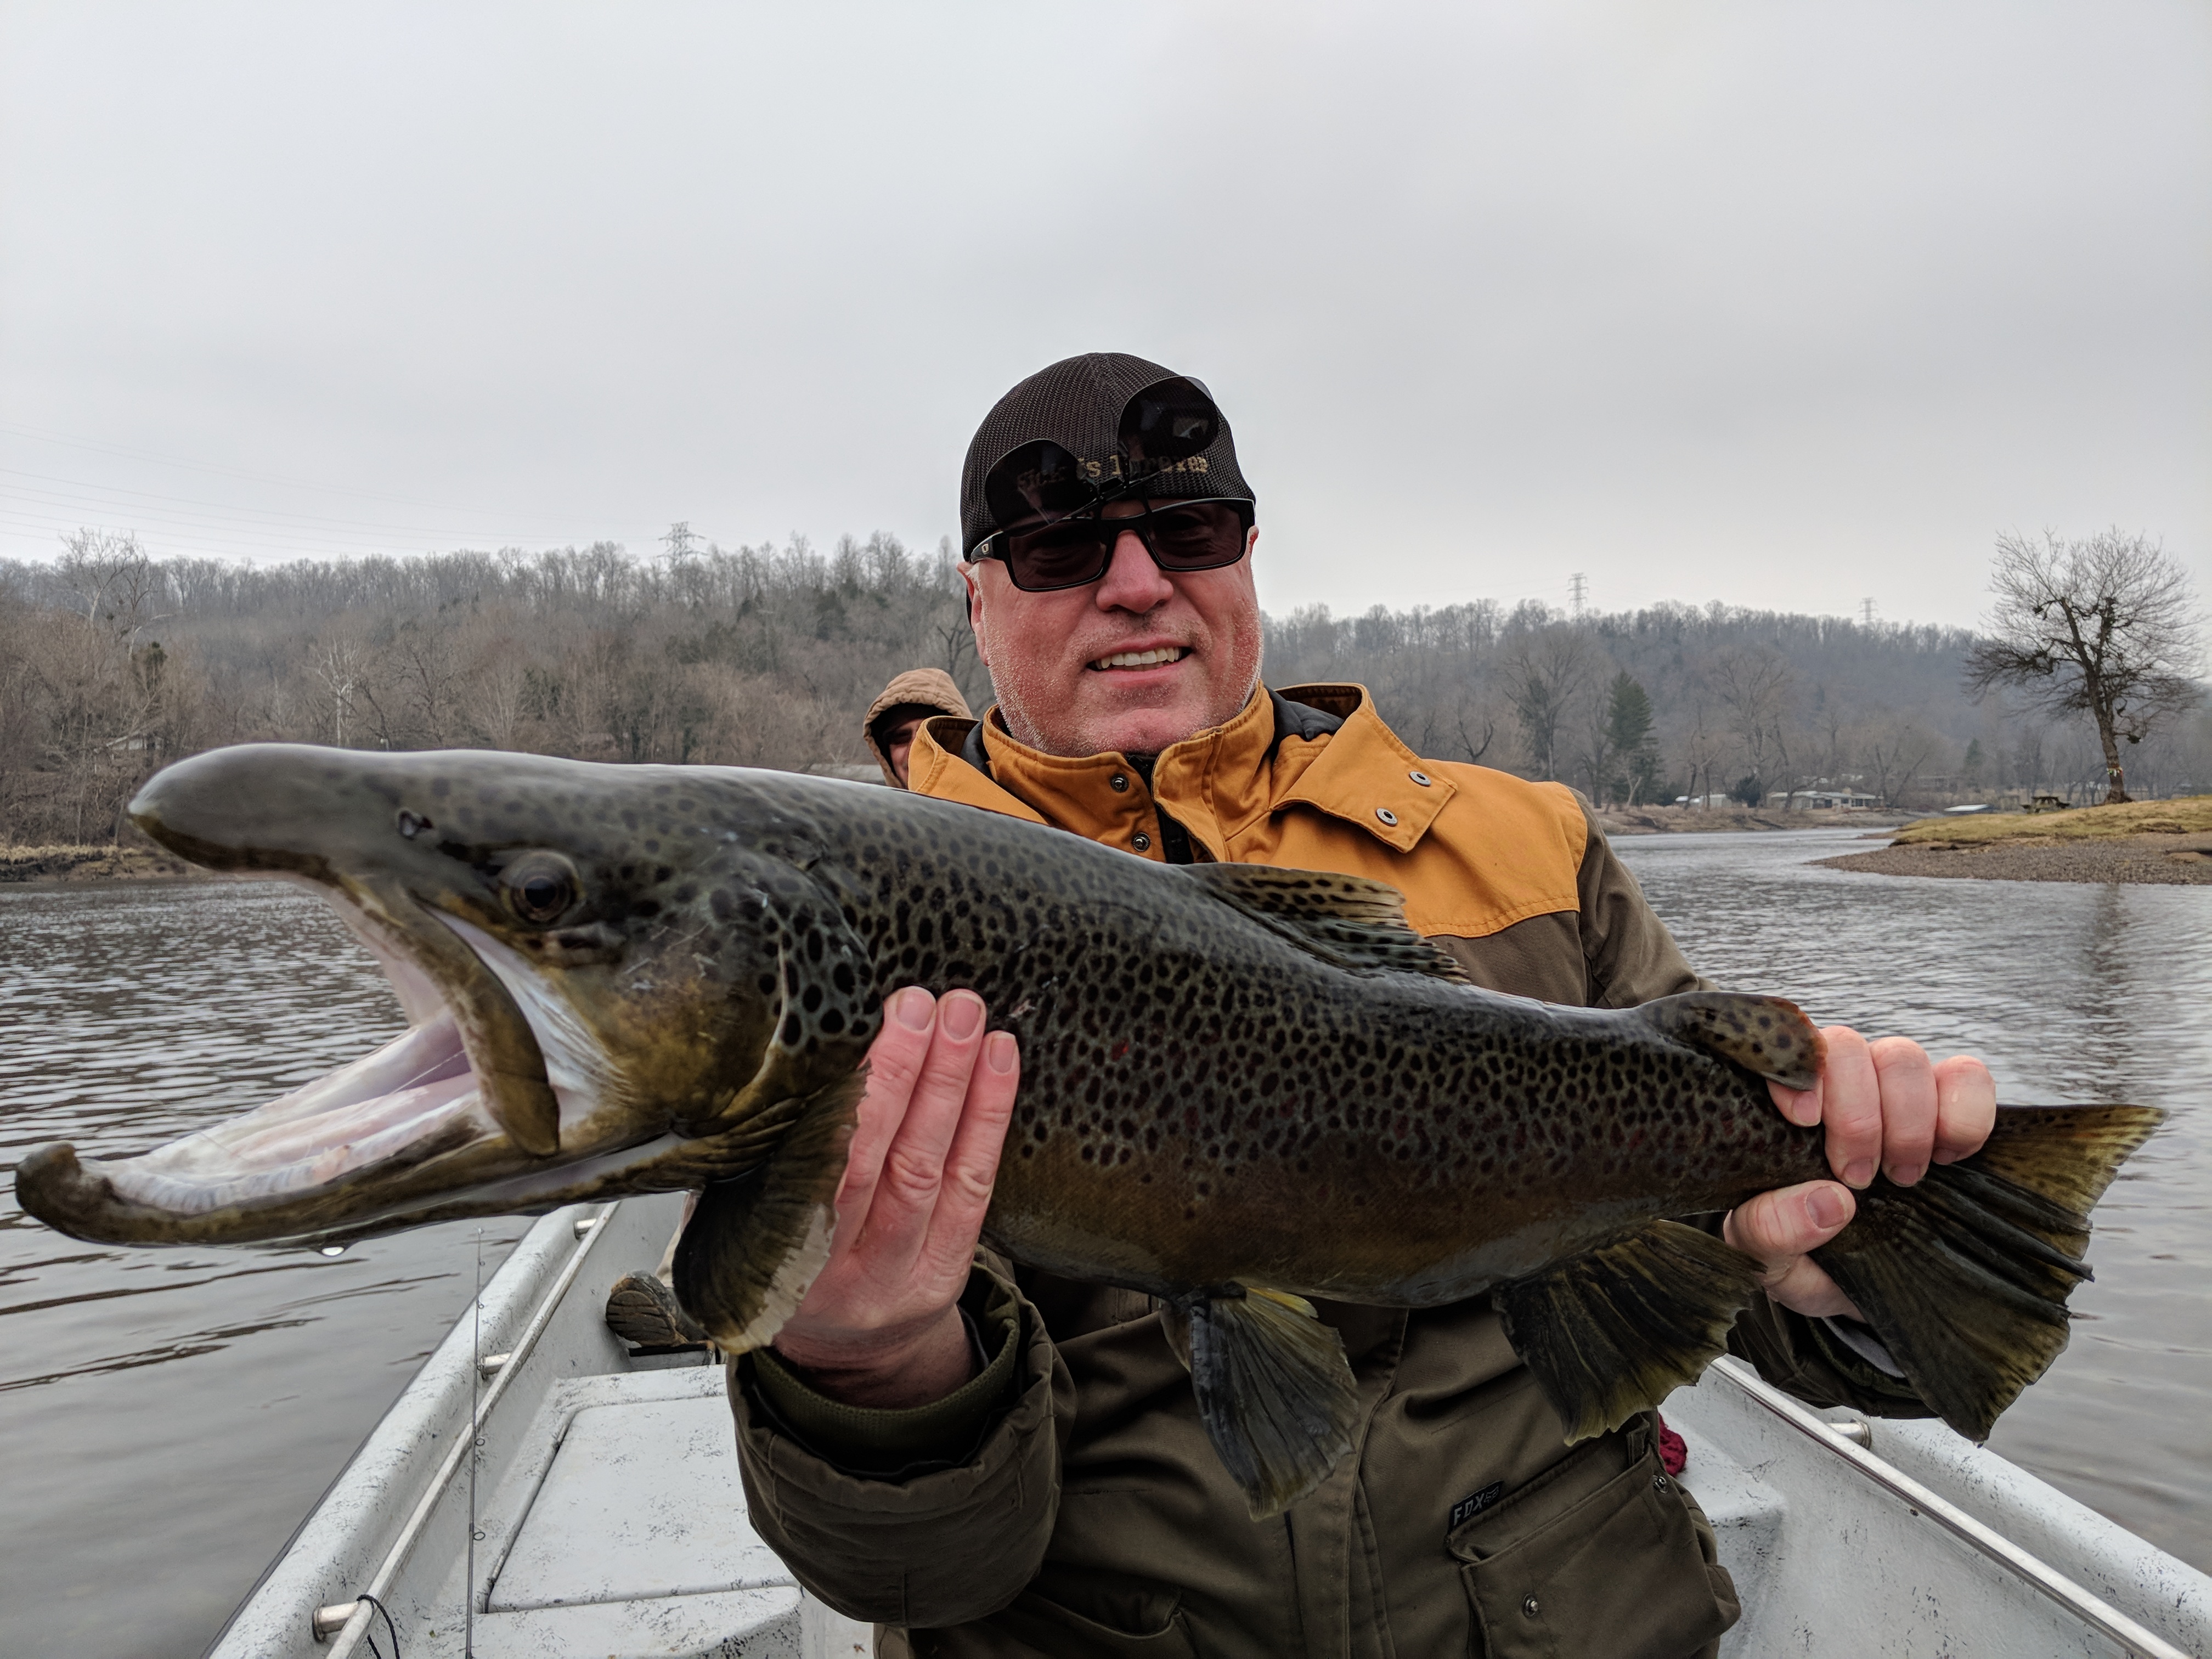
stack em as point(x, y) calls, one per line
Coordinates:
point(539, 887)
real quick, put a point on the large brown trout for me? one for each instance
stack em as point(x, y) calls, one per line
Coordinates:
point(1240, 1087)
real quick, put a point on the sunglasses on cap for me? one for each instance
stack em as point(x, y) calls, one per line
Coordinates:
point(1056, 501)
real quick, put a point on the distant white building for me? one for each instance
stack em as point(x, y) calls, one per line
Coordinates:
point(1821, 800)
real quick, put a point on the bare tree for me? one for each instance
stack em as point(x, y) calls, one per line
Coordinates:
point(2104, 627)
point(1757, 686)
point(1897, 750)
point(1544, 673)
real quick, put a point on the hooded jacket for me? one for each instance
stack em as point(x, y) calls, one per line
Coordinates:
point(918, 688)
point(1068, 1502)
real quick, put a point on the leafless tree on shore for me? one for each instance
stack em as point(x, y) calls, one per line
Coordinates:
point(2105, 627)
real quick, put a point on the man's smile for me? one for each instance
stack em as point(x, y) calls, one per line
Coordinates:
point(1155, 657)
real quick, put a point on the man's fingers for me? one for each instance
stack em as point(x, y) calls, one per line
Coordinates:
point(1800, 1106)
point(1966, 1108)
point(894, 1064)
point(1850, 1106)
point(1790, 1221)
point(914, 1168)
point(971, 1167)
point(1780, 1228)
point(1907, 1077)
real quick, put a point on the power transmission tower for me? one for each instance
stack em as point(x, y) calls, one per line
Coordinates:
point(1578, 591)
point(1866, 611)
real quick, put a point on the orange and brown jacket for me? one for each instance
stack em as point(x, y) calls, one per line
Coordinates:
point(1066, 1501)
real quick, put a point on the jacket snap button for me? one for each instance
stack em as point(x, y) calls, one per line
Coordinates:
point(1387, 816)
point(1528, 1607)
point(1118, 783)
point(1141, 841)
point(1658, 1483)
point(1421, 778)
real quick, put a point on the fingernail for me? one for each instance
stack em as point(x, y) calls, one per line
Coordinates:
point(1826, 1206)
point(1905, 1173)
point(963, 1012)
point(1804, 1109)
point(1858, 1172)
point(911, 1006)
point(1000, 1050)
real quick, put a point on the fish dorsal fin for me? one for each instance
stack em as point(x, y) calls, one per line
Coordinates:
point(1766, 1035)
point(1346, 921)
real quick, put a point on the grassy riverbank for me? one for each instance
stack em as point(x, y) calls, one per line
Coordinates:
point(2159, 843)
point(24, 865)
point(1708, 820)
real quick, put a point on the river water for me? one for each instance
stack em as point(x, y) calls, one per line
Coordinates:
point(167, 1417)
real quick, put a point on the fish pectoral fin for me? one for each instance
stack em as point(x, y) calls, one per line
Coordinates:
point(756, 1243)
point(1768, 1037)
point(1346, 921)
point(1613, 1331)
point(1275, 1394)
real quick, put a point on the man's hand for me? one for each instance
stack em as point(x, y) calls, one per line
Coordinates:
point(880, 1327)
point(1886, 1107)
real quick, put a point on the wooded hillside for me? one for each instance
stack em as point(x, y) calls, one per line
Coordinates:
point(113, 663)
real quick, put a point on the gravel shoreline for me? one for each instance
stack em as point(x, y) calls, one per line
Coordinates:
point(2147, 860)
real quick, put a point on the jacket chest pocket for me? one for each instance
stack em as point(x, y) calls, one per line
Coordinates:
point(1595, 1560)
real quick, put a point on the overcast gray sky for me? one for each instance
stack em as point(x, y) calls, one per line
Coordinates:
point(1785, 305)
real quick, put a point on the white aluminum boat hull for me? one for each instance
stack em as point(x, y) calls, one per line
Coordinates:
point(612, 1520)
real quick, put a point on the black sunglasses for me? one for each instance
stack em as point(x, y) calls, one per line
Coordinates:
point(1068, 541)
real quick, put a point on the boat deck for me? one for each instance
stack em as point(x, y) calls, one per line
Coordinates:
point(610, 1519)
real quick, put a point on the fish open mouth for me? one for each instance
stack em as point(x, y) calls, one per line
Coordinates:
point(473, 1092)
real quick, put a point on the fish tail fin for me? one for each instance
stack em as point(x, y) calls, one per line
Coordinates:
point(1965, 1275)
point(1275, 1392)
point(1615, 1329)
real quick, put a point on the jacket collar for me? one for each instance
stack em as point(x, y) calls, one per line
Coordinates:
point(1216, 783)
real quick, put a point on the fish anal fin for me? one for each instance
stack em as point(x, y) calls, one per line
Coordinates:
point(1614, 1330)
point(1275, 1393)
point(756, 1243)
point(1766, 1035)
point(1347, 921)
point(1965, 1275)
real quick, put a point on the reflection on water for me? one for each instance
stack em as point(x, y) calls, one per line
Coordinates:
point(167, 1417)
point(2072, 993)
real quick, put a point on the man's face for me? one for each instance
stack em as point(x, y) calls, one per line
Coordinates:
point(898, 743)
point(1061, 661)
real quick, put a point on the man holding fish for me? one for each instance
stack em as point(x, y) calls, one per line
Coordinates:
point(994, 1461)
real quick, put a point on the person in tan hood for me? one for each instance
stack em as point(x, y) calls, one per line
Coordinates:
point(898, 712)
point(990, 1462)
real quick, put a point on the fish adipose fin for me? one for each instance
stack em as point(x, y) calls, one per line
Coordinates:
point(1965, 1274)
point(1615, 1330)
point(1765, 1036)
point(756, 1243)
point(1274, 1391)
point(1346, 921)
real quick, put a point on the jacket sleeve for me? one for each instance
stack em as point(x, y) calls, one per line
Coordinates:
point(1630, 955)
point(928, 1517)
